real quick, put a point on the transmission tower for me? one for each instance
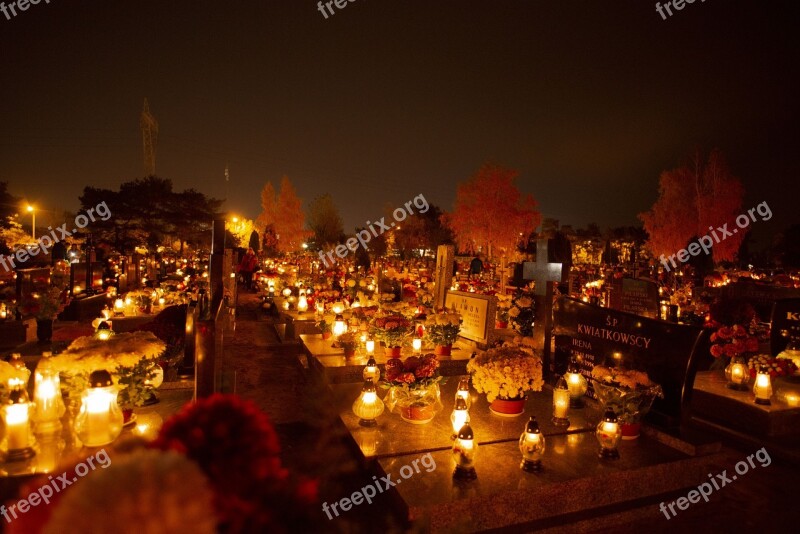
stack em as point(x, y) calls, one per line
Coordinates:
point(149, 126)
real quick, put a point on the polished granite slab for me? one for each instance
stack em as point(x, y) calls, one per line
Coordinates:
point(574, 483)
point(712, 400)
point(331, 362)
point(293, 324)
point(393, 436)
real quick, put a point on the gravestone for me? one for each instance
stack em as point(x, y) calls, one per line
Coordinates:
point(761, 296)
point(443, 276)
point(669, 353)
point(477, 314)
point(635, 296)
point(543, 272)
point(785, 323)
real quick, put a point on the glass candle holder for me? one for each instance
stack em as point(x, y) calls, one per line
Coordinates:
point(49, 404)
point(368, 406)
point(531, 445)
point(339, 325)
point(561, 403)
point(459, 417)
point(608, 435)
point(763, 388)
point(737, 373)
point(99, 421)
point(18, 441)
point(371, 370)
point(577, 385)
point(465, 450)
point(463, 390)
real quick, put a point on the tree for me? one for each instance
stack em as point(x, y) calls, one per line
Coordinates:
point(9, 205)
point(691, 199)
point(324, 220)
point(490, 211)
point(285, 213)
point(241, 231)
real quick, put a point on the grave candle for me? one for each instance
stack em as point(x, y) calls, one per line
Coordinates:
point(577, 386)
point(119, 307)
point(100, 419)
point(368, 406)
point(763, 388)
point(47, 396)
point(302, 303)
point(560, 403)
point(370, 344)
point(16, 415)
point(459, 417)
point(531, 445)
point(464, 452)
point(339, 326)
point(417, 345)
point(608, 435)
point(737, 373)
point(463, 390)
point(371, 370)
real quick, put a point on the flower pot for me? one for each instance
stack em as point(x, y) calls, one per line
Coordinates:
point(508, 407)
point(630, 430)
point(394, 352)
point(443, 350)
point(44, 330)
point(326, 335)
point(418, 415)
point(501, 324)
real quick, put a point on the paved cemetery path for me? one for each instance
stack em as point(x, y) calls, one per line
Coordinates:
point(313, 440)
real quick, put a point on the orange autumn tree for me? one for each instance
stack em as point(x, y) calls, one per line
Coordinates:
point(491, 212)
point(691, 199)
point(283, 214)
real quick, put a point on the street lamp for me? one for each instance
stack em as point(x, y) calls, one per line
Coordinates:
point(32, 211)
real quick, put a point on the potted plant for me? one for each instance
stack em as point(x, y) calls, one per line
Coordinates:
point(349, 342)
point(413, 387)
point(728, 342)
point(505, 374)
point(442, 330)
point(44, 307)
point(326, 326)
point(393, 330)
point(628, 393)
point(521, 313)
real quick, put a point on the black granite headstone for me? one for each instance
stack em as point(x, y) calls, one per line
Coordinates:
point(785, 323)
point(761, 296)
point(669, 353)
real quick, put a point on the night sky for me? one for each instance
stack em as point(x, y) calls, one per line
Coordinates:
point(388, 99)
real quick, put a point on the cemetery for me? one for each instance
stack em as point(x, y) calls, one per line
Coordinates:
point(406, 269)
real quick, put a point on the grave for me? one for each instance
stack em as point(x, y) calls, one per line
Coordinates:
point(670, 353)
point(785, 324)
point(761, 296)
point(477, 316)
point(635, 296)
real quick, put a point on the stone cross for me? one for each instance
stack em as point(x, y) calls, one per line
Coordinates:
point(443, 275)
point(543, 273)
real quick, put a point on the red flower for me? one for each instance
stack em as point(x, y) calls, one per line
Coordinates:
point(427, 369)
point(406, 378)
point(751, 345)
point(725, 332)
point(739, 331)
point(394, 364)
point(716, 351)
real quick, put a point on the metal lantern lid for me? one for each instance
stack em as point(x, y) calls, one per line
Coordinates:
point(573, 368)
point(100, 379)
point(371, 362)
point(369, 387)
point(532, 427)
point(461, 404)
point(610, 416)
point(561, 383)
point(466, 432)
point(103, 326)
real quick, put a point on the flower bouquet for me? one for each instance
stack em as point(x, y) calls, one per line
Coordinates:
point(43, 306)
point(442, 330)
point(131, 358)
point(521, 313)
point(325, 324)
point(505, 374)
point(775, 366)
point(728, 342)
point(393, 330)
point(629, 394)
point(503, 307)
point(413, 388)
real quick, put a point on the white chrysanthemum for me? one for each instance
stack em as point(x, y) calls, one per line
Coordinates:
point(146, 491)
point(87, 354)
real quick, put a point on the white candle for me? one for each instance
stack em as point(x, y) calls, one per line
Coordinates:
point(98, 422)
point(17, 426)
point(560, 403)
point(45, 397)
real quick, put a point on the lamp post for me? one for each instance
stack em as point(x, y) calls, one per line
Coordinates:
point(32, 211)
